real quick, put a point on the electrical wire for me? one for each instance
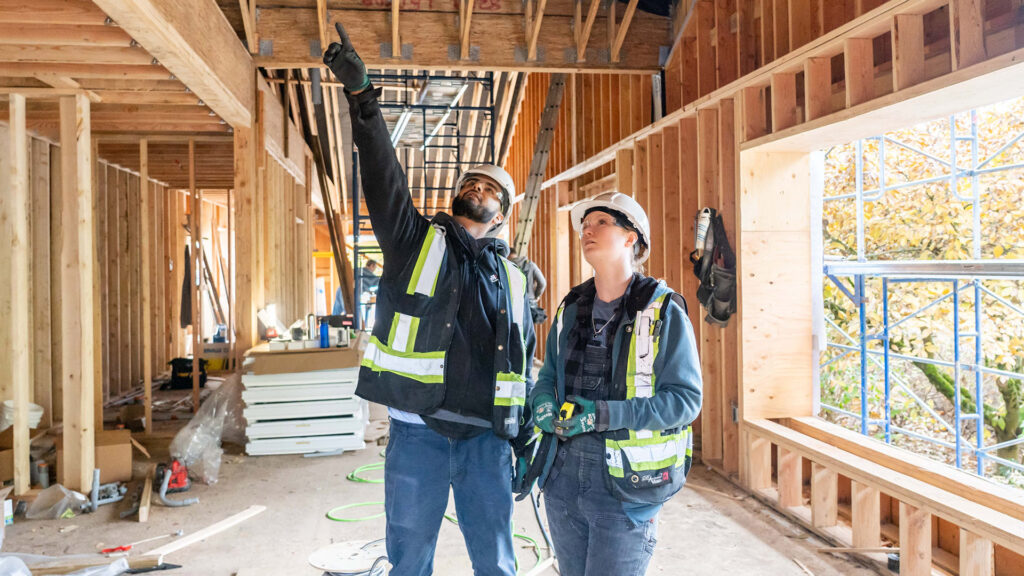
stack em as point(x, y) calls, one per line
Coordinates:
point(355, 476)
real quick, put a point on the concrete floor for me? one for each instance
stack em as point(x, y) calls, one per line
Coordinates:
point(701, 532)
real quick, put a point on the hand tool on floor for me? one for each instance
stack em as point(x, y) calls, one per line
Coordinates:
point(103, 493)
point(128, 547)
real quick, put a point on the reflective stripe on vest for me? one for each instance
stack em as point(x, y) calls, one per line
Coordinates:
point(398, 355)
point(403, 332)
point(646, 449)
point(427, 367)
point(510, 388)
point(428, 264)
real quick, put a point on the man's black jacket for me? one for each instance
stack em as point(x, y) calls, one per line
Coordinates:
point(472, 283)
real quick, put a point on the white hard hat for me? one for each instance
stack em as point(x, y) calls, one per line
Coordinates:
point(504, 180)
point(622, 204)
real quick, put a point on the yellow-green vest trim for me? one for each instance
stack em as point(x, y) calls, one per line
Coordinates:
point(399, 355)
point(646, 450)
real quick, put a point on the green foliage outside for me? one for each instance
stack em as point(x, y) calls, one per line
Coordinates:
point(926, 222)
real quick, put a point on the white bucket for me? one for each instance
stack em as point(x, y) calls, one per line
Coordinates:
point(35, 414)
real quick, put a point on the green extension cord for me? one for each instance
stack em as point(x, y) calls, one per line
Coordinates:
point(331, 516)
point(354, 476)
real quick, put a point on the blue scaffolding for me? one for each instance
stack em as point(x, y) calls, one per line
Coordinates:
point(969, 285)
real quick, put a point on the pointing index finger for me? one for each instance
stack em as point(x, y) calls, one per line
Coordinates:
point(345, 42)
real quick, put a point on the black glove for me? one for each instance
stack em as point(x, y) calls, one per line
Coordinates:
point(342, 59)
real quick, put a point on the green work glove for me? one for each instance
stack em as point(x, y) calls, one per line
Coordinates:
point(544, 412)
point(585, 421)
point(522, 466)
point(347, 66)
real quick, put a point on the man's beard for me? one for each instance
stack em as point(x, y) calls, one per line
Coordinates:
point(477, 212)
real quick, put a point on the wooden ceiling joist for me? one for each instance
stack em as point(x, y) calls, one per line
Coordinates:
point(623, 28)
point(65, 35)
point(51, 12)
point(287, 35)
point(74, 54)
point(465, 20)
point(123, 71)
point(193, 39)
point(584, 28)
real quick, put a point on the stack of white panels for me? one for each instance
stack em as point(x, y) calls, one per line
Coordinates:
point(303, 412)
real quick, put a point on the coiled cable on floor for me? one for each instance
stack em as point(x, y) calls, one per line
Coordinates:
point(356, 476)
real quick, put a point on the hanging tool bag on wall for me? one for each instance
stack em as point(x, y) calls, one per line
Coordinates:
point(715, 268)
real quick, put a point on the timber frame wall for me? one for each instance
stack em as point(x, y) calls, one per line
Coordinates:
point(752, 89)
point(138, 235)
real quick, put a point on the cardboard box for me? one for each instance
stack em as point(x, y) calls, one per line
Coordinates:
point(305, 360)
point(7, 452)
point(113, 456)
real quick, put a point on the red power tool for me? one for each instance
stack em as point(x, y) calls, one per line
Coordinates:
point(178, 481)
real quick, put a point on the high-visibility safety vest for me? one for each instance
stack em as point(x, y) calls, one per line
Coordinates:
point(403, 365)
point(644, 466)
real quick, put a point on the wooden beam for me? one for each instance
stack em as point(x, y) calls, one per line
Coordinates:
point(396, 39)
point(147, 307)
point(464, 25)
point(195, 42)
point(966, 32)
point(824, 496)
point(432, 33)
point(116, 55)
point(43, 254)
point(624, 172)
point(790, 478)
point(759, 463)
point(858, 60)
point(247, 8)
point(866, 515)
point(64, 35)
point(755, 117)
point(21, 299)
point(321, 23)
point(623, 27)
point(784, 109)
point(56, 70)
point(583, 37)
point(915, 541)
point(976, 555)
point(196, 264)
point(817, 87)
point(77, 293)
point(536, 19)
point(907, 50)
point(704, 17)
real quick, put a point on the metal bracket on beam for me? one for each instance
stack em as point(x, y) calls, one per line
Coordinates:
point(663, 53)
point(454, 51)
point(315, 50)
point(521, 53)
point(385, 51)
point(266, 47)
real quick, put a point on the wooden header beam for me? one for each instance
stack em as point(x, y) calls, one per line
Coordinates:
point(496, 42)
point(195, 42)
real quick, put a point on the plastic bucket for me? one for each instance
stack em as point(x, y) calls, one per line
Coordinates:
point(35, 415)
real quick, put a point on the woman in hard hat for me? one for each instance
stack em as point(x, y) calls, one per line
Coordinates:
point(620, 385)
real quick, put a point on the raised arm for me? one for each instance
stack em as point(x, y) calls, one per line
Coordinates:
point(396, 222)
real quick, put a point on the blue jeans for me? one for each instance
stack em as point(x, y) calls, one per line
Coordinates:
point(591, 533)
point(420, 465)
